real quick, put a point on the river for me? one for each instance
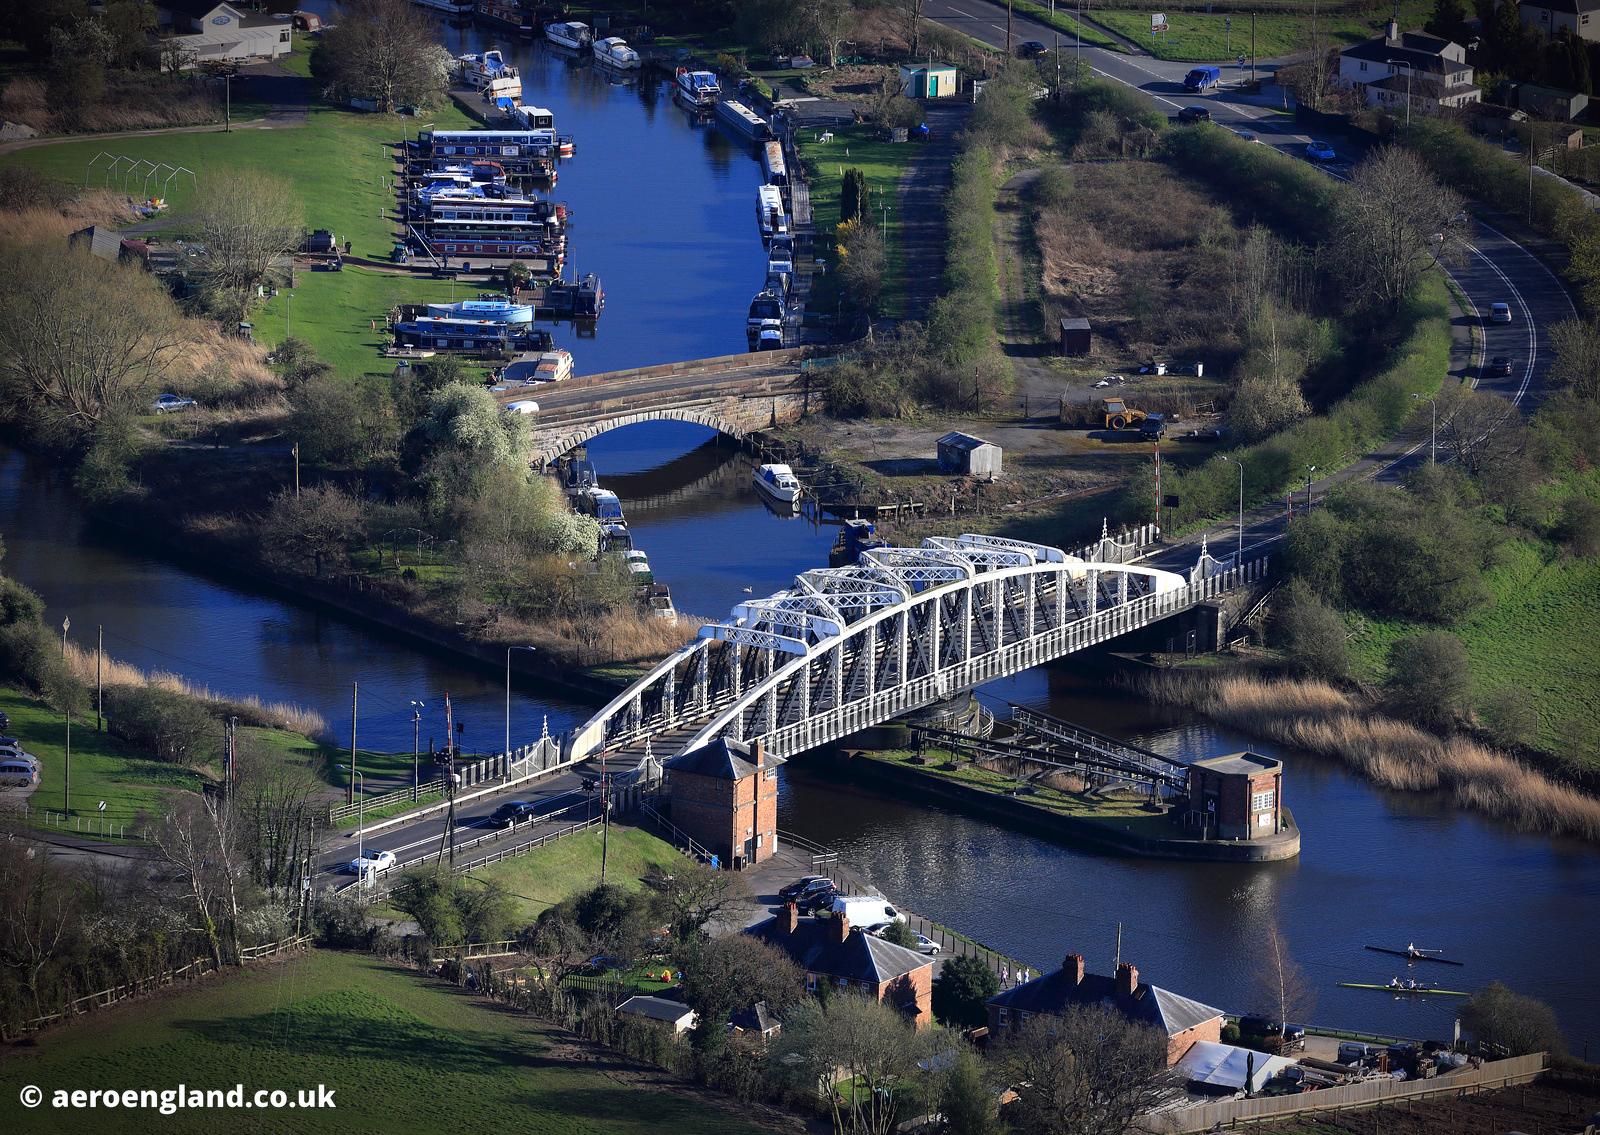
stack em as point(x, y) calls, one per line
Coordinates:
point(1375, 866)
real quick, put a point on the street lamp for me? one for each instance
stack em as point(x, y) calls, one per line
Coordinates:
point(505, 771)
point(1433, 445)
point(1394, 64)
point(1310, 469)
point(1240, 464)
point(361, 827)
point(416, 746)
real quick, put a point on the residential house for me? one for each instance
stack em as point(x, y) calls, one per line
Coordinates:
point(843, 957)
point(673, 1017)
point(213, 32)
point(1398, 69)
point(1580, 17)
point(725, 797)
point(1182, 1020)
point(755, 1022)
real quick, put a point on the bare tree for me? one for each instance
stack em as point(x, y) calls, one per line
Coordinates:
point(1577, 361)
point(1282, 982)
point(175, 55)
point(857, 1041)
point(320, 524)
point(81, 341)
point(913, 10)
point(829, 23)
point(1089, 1071)
point(40, 909)
point(201, 840)
point(1482, 431)
point(1392, 226)
point(694, 894)
point(386, 50)
point(276, 803)
point(246, 220)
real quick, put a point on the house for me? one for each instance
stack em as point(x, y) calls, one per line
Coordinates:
point(725, 796)
point(1398, 69)
point(843, 957)
point(1239, 796)
point(1580, 17)
point(673, 1017)
point(212, 32)
point(968, 456)
point(931, 81)
point(1183, 1021)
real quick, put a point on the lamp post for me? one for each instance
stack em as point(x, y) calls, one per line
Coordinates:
point(1433, 444)
point(1240, 464)
point(1394, 65)
point(288, 298)
point(416, 746)
point(1310, 469)
point(361, 826)
point(505, 769)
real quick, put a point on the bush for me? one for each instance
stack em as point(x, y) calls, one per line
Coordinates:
point(1496, 1016)
point(962, 990)
point(1429, 678)
point(1313, 635)
point(1579, 530)
point(172, 727)
point(900, 934)
point(1510, 717)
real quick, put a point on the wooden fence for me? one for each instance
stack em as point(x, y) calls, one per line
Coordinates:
point(1380, 1090)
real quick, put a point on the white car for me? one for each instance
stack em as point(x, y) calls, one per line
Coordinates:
point(522, 406)
point(167, 403)
point(372, 860)
point(1499, 313)
point(926, 945)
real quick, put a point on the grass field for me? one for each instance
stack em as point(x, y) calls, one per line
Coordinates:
point(402, 1053)
point(1071, 30)
point(1202, 37)
point(882, 163)
point(103, 768)
point(1537, 633)
point(542, 878)
point(1120, 809)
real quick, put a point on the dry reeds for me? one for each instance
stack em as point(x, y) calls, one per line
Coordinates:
point(1315, 716)
point(250, 709)
point(57, 222)
point(620, 636)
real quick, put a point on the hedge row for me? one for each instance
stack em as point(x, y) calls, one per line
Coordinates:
point(961, 326)
point(1282, 193)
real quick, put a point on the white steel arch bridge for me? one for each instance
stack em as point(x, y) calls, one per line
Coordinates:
point(851, 647)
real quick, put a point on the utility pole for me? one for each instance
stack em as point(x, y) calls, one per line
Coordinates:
point(1158, 481)
point(416, 749)
point(1119, 946)
point(1310, 469)
point(1077, 28)
point(99, 679)
point(350, 785)
point(1008, 27)
point(1252, 48)
point(227, 102)
point(233, 752)
point(66, 778)
point(605, 815)
point(295, 449)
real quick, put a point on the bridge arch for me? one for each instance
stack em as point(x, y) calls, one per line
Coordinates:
point(555, 443)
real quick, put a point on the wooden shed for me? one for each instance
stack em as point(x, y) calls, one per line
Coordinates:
point(1075, 337)
point(968, 456)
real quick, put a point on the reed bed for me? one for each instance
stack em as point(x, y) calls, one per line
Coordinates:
point(250, 709)
point(1315, 716)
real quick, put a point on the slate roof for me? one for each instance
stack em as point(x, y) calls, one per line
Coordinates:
point(962, 441)
point(1417, 50)
point(655, 1008)
point(754, 1019)
point(860, 957)
point(1569, 7)
point(194, 9)
point(1149, 1005)
point(721, 759)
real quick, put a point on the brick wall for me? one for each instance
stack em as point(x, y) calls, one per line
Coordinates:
point(1179, 1043)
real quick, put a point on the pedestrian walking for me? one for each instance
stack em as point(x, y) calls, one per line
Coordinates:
point(1005, 975)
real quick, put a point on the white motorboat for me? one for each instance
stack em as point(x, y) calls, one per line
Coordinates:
point(569, 33)
point(462, 8)
point(553, 366)
point(698, 88)
point(614, 51)
point(480, 69)
point(779, 483)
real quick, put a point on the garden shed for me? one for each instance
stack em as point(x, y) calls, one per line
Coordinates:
point(929, 81)
point(968, 456)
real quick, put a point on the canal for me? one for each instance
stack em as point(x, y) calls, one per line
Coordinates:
point(1375, 866)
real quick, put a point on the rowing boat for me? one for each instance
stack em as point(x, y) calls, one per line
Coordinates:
point(1418, 990)
point(1414, 956)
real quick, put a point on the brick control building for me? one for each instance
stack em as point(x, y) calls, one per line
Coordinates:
point(1183, 1021)
point(842, 957)
point(1239, 796)
point(725, 796)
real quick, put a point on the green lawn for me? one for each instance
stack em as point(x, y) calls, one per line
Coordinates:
point(882, 163)
point(1062, 803)
point(402, 1053)
point(1197, 36)
point(103, 768)
point(545, 877)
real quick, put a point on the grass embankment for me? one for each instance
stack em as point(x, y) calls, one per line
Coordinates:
point(1315, 716)
point(1207, 37)
point(882, 164)
point(559, 870)
point(1071, 30)
point(401, 1051)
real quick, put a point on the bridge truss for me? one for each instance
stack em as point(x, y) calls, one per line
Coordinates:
point(846, 648)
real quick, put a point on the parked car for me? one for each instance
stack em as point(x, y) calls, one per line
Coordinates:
point(864, 910)
point(1500, 313)
point(167, 403)
point(1192, 114)
point(798, 887)
point(1500, 364)
point(1246, 135)
point(513, 812)
point(15, 772)
point(5, 720)
point(1320, 151)
point(1354, 1052)
point(926, 945)
point(1032, 49)
point(817, 901)
point(372, 860)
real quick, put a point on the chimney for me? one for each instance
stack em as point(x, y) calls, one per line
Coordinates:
point(841, 928)
point(758, 753)
point(1391, 31)
point(790, 918)
point(1127, 979)
point(1072, 969)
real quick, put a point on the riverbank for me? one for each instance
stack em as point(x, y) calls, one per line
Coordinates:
point(1115, 824)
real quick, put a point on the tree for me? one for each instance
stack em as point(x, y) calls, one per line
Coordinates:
point(1576, 366)
point(900, 933)
point(912, 10)
point(1429, 677)
point(297, 364)
point(852, 195)
point(344, 424)
point(320, 524)
point(201, 839)
point(730, 973)
point(1088, 1071)
point(1282, 983)
point(962, 990)
point(277, 802)
point(857, 1041)
point(81, 341)
point(1449, 20)
point(1579, 529)
point(1512, 1023)
point(1510, 716)
point(170, 726)
point(386, 51)
point(861, 264)
point(1312, 635)
point(827, 24)
point(966, 1101)
point(429, 899)
point(40, 913)
point(464, 425)
point(1482, 431)
point(245, 219)
point(128, 24)
point(694, 894)
point(1385, 228)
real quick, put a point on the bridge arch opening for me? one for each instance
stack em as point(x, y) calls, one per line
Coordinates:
point(555, 443)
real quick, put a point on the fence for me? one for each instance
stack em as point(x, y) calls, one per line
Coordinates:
point(541, 756)
point(378, 894)
point(1366, 1093)
point(97, 824)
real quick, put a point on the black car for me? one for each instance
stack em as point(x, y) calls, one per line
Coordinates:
point(799, 887)
point(5, 721)
point(513, 812)
point(1192, 114)
point(818, 900)
point(1032, 49)
point(1500, 365)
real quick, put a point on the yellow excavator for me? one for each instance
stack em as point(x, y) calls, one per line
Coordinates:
point(1119, 415)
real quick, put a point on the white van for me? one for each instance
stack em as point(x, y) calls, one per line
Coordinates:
point(865, 910)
